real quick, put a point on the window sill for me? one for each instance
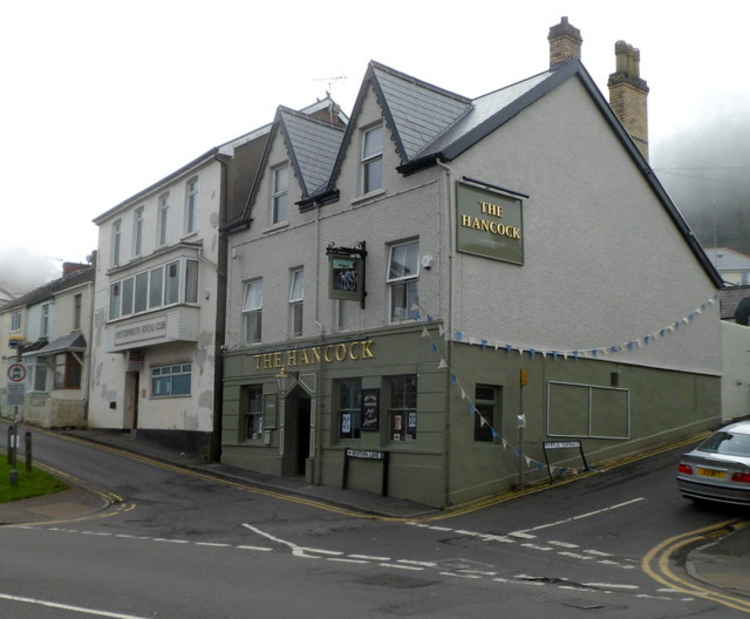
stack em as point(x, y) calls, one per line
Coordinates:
point(170, 397)
point(368, 196)
point(189, 235)
point(279, 226)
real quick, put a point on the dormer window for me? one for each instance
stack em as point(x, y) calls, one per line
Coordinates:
point(372, 159)
point(279, 194)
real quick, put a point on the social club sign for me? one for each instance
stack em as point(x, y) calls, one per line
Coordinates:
point(489, 224)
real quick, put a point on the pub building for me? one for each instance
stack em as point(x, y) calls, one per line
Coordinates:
point(421, 301)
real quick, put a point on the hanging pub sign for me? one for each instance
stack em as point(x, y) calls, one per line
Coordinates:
point(489, 223)
point(346, 280)
point(370, 410)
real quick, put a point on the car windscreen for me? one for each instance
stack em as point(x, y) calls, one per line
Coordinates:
point(728, 444)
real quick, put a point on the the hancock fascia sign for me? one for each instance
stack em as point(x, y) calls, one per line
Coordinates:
point(489, 223)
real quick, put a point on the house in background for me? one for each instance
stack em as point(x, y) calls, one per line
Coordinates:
point(732, 265)
point(50, 329)
point(6, 296)
point(160, 290)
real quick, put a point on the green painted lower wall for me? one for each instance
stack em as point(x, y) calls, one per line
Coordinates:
point(664, 406)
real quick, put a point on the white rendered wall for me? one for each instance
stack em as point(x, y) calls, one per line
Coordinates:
point(603, 261)
point(735, 383)
point(109, 369)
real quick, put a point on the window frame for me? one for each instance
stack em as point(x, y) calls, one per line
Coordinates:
point(116, 241)
point(245, 311)
point(403, 411)
point(277, 193)
point(71, 373)
point(44, 313)
point(162, 223)
point(191, 205)
point(181, 289)
point(402, 280)
point(158, 371)
point(77, 310)
point(365, 160)
point(484, 434)
point(355, 421)
point(138, 231)
point(16, 321)
point(253, 421)
point(296, 303)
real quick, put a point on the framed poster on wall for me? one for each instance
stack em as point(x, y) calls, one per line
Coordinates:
point(370, 410)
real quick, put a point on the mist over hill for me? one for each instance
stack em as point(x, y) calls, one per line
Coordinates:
point(22, 270)
point(706, 170)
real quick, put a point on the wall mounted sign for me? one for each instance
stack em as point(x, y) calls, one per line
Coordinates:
point(370, 410)
point(346, 280)
point(489, 224)
point(344, 351)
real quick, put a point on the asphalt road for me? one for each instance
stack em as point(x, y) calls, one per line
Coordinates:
point(182, 546)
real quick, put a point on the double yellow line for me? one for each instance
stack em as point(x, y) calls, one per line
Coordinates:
point(656, 563)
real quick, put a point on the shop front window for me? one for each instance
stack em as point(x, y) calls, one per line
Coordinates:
point(350, 407)
point(487, 403)
point(253, 426)
point(403, 406)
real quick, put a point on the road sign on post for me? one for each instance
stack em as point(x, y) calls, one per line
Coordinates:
point(16, 372)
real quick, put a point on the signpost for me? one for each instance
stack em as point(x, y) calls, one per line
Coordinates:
point(16, 392)
point(366, 454)
point(570, 444)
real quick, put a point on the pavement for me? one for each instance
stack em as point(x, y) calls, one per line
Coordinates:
point(724, 563)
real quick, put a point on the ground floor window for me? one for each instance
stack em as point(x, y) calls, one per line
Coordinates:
point(488, 404)
point(67, 372)
point(403, 406)
point(349, 394)
point(252, 426)
point(37, 375)
point(171, 380)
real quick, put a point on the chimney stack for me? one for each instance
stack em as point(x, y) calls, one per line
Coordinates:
point(72, 267)
point(564, 43)
point(628, 94)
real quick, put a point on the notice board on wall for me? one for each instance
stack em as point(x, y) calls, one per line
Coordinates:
point(579, 410)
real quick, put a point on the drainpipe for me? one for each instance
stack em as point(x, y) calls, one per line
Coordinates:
point(315, 430)
point(221, 318)
point(90, 351)
point(449, 322)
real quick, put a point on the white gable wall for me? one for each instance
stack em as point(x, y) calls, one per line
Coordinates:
point(603, 261)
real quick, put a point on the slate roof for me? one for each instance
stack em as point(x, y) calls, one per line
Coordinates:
point(48, 290)
point(727, 259)
point(729, 298)
point(70, 342)
point(312, 146)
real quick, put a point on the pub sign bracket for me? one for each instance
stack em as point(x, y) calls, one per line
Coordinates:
point(347, 272)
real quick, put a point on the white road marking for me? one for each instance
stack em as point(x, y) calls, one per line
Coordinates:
point(665, 590)
point(521, 534)
point(574, 555)
point(441, 529)
point(347, 560)
point(95, 533)
point(422, 563)
point(467, 576)
point(297, 551)
point(369, 557)
point(563, 544)
point(537, 547)
point(500, 580)
point(610, 585)
point(402, 567)
point(170, 541)
point(574, 588)
point(498, 538)
point(608, 562)
point(580, 516)
point(480, 572)
point(462, 532)
point(75, 609)
point(261, 548)
point(320, 551)
point(212, 544)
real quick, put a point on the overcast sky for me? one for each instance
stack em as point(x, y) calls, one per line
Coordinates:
point(100, 99)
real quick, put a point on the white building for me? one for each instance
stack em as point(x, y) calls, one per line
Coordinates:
point(159, 302)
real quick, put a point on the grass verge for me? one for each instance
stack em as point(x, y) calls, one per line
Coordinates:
point(35, 483)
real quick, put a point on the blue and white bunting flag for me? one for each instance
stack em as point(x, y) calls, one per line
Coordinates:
point(442, 365)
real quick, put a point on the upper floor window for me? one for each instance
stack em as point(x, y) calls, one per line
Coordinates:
point(163, 219)
point(296, 300)
point(138, 231)
point(116, 241)
point(252, 311)
point(372, 159)
point(77, 305)
point(15, 321)
point(191, 205)
point(280, 194)
point(403, 272)
point(167, 284)
point(44, 326)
